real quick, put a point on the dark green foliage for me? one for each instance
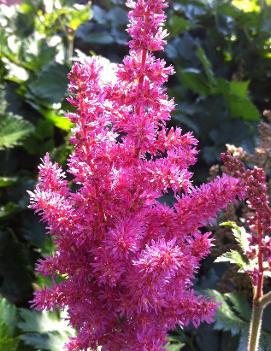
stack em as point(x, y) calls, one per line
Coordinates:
point(218, 55)
point(22, 330)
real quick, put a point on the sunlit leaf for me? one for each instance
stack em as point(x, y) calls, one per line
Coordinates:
point(51, 83)
point(239, 233)
point(234, 257)
point(13, 130)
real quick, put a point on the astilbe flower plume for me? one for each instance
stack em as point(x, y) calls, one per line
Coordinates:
point(126, 259)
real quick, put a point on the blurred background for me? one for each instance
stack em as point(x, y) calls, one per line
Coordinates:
point(221, 50)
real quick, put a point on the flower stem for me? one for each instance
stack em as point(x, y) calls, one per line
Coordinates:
point(70, 46)
point(255, 326)
point(258, 306)
point(256, 321)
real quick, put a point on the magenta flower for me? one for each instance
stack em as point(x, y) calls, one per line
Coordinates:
point(128, 260)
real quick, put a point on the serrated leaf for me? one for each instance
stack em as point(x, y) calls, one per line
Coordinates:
point(240, 305)
point(8, 343)
point(234, 257)
point(51, 342)
point(226, 318)
point(41, 322)
point(44, 330)
point(13, 130)
point(8, 320)
point(239, 233)
point(8, 316)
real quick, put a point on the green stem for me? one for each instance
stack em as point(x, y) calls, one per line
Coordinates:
point(70, 39)
point(255, 326)
point(256, 321)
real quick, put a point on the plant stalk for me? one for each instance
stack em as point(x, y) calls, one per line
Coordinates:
point(255, 326)
point(257, 306)
point(70, 46)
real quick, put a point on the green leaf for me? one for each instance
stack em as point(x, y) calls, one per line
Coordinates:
point(235, 257)
point(3, 101)
point(247, 6)
point(42, 139)
point(175, 346)
point(8, 320)
point(88, 36)
point(193, 79)
point(239, 88)
point(178, 25)
point(40, 322)
point(8, 343)
point(237, 97)
point(13, 130)
point(59, 121)
point(78, 15)
point(175, 343)
point(15, 261)
point(33, 230)
point(185, 120)
point(266, 340)
point(243, 108)
point(8, 209)
point(240, 305)
point(243, 341)
point(63, 17)
point(206, 65)
point(45, 330)
point(8, 316)
point(7, 181)
point(51, 84)
point(36, 52)
point(226, 318)
point(51, 342)
point(239, 233)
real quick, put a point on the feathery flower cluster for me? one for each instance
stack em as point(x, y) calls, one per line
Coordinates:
point(259, 218)
point(127, 261)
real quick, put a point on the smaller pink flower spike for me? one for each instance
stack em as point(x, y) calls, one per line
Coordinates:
point(258, 220)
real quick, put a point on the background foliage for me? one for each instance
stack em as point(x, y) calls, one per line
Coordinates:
point(221, 50)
